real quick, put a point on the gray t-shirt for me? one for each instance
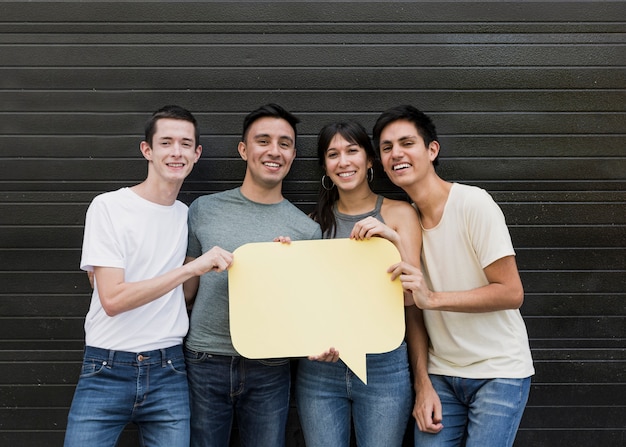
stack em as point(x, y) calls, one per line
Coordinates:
point(229, 220)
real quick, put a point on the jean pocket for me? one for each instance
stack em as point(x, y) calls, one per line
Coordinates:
point(196, 357)
point(273, 362)
point(91, 368)
point(177, 366)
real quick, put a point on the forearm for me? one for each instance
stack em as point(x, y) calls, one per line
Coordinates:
point(417, 342)
point(190, 286)
point(490, 298)
point(121, 296)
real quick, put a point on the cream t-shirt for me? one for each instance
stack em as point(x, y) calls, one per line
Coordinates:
point(471, 235)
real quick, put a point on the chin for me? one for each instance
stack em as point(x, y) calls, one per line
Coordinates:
point(399, 180)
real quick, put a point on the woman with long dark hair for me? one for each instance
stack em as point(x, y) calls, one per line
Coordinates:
point(329, 396)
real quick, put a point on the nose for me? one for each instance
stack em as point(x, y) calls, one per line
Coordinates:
point(396, 151)
point(177, 149)
point(343, 159)
point(273, 148)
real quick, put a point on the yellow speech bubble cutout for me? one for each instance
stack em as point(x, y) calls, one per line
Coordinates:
point(299, 299)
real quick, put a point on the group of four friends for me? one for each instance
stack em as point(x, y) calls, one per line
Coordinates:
point(463, 372)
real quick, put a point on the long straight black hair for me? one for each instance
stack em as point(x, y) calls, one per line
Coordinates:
point(354, 133)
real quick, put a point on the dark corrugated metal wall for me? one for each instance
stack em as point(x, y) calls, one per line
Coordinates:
point(529, 100)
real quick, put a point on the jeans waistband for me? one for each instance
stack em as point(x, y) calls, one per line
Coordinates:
point(156, 356)
point(220, 356)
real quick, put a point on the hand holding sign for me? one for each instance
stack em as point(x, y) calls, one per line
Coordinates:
point(298, 299)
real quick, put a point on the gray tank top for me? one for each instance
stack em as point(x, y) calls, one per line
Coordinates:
point(345, 222)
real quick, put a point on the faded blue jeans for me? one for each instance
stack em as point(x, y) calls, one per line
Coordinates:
point(256, 392)
point(116, 388)
point(329, 397)
point(477, 412)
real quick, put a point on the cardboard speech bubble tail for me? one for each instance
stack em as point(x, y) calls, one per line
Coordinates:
point(357, 362)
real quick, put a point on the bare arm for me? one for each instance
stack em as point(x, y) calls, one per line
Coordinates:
point(117, 295)
point(402, 228)
point(427, 407)
point(190, 287)
point(504, 290)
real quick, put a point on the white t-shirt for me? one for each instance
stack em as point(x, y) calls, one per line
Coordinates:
point(471, 235)
point(145, 239)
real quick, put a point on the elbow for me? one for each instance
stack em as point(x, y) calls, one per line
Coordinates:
point(517, 297)
point(110, 307)
point(189, 300)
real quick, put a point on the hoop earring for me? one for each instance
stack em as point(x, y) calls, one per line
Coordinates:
point(370, 175)
point(327, 188)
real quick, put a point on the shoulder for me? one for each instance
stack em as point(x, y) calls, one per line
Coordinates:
point(210, 199)
point(292, 215)
point(291, 210)
point(110, 199)
point(398, 210)
point(180, 206)
point(470, 192)
point(112, 195)
point(476, 205)
point(471, 197)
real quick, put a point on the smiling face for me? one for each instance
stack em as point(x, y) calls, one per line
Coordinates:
point(404, 156)
point(173, 151)
point(269, 150)
point(346, 164)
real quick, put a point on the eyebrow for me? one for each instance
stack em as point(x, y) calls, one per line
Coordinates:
point(349, 145)
point(173, 138)
point(266, 135)
point(408, 137)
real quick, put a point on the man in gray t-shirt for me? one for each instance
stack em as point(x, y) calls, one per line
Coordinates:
point(224, 385)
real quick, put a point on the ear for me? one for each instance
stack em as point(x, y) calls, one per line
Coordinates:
point(433, 150)
point(198, 153)
point(146, 150)
point(241, 148)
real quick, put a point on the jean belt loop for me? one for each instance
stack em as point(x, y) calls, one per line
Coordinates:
point(163, 358)
point(111, 357)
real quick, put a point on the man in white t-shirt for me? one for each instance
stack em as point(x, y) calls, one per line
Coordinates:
point(135, 243)
point(479, 361)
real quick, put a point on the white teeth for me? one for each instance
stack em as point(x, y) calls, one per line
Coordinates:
point(272, 165)
point(346, 174)
point(176, 165)
point(401, 166)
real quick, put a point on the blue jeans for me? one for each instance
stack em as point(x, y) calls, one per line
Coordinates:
point(116, 387)
point(256, 392)
point(329, 396)
point(477, 412)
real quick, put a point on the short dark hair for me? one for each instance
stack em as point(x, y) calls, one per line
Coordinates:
point(271, 110)
point(173, 112)
point(422, 122)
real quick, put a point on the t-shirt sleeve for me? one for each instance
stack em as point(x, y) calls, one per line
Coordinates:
point(487, 228)
point(101, 244)
point(317, 234)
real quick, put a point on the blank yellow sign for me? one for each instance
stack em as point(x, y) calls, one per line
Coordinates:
point(299, 299)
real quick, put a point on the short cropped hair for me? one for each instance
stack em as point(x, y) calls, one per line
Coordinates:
point(422, 122)
point(271, 110)
point(172, 112)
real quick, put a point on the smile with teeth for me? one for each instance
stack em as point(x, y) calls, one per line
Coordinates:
point(401, 166)
point(176, 165)
point(269, 164)
point(346, 174)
